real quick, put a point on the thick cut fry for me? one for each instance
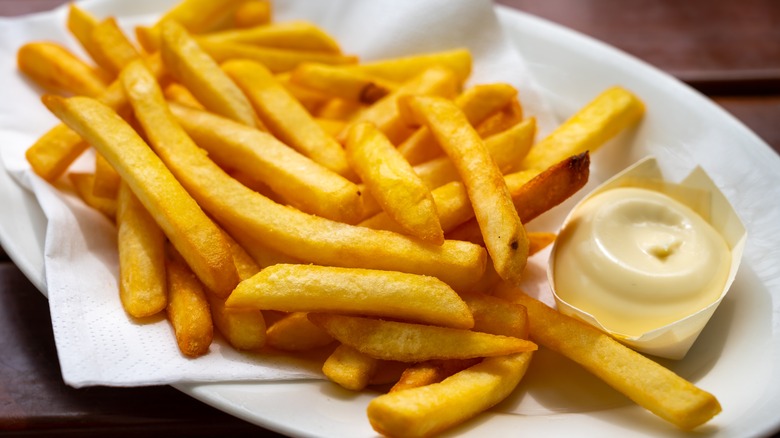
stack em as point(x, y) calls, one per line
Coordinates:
point(502, 120)
point(405, 68)
point(295, 332)
point(497, 316)
point(477, 104)
point(341, 83)
point(188, 308)
point(197, 16)
point(178, 93)
point(55, 68)
point(192, 67)
point(504, 234)
point(84, 184)
point(107, 181)
point(244, 329)
point(349, 368)
point(430, 372)
point(295, 35)
point(611, 112)
point(428, 410)
point(141, 245)
point(80, 24)
point(253, 13)
point(180, 217)
point(52, 154)
point(534, 196)
point(436, 81)
point(393, 183)
point(113, 50)
point(311, 288)
point(644, 381)
point(302, 182)
point(407, 342)
point(274, 59)
point(285, 117)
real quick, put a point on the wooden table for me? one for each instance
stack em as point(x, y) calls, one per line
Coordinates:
point(728, 50)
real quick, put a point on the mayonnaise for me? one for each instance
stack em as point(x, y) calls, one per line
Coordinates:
point(637, 260)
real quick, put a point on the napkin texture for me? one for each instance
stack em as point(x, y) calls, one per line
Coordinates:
point(97, 343)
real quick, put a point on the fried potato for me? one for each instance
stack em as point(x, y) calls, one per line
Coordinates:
point(435, 81)
point(107, 180)
point(611, 112)
point(141, 243)
point(500, 121)
point(55, 68)
point(497, 316)
point(80, 24)
point(84, 184)
point(504, 233)
point(406, 342)
point(295, 35)
point(430, 372)
point(295, 332)
point(477, 104)
point(285, 117)
point(431, 409)
point(302, 182)
point(349, 368)
point(178, 93)
point(276, 60)
point(311, 288)
point(252, 13)
point(644, 381)
point(341, 83)
point(405, 68)
point(188, 309)
point(113, 50)
point(393, 183)
point(193, 68)
point(52, 154)
point(180, 217)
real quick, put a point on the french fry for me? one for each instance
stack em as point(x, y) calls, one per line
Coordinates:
point(55, 68)
point(477, 104)
point(295, 35)
point(393, 183)
point(502, 120)
point(611, 112)
point(107, 181)
point(52, 154)
point(349, 368)
point(180, 217)
point(143, 290)
point(311, 99)
point(504, 234)
point(176, 92)
point(253, 13)
point(644, 381)
point(196, 16)
point(431, 409)
point(406, 342)
point(188, 309)
point(244, 329)
point(285, 117)
point(534, 196)
point(311, 288)
point(275, 59)
point(300, 181)
point(80, 24)
point(430, 372)
point(112, 49)
point(84, 184)
point(436, 81)
point(195, 69)
point(405, 68)
point(295, 332)
point(341, 83)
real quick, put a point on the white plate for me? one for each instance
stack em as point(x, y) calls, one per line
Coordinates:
point(737, 356)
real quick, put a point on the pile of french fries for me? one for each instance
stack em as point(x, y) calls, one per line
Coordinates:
point(269, 186)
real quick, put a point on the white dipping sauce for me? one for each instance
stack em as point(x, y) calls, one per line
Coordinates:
point(638, 260)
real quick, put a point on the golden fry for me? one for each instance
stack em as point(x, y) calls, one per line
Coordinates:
point(276, 60)
point(295, 35)
point(295, 332)
point(341, 83)
point(84, 184)
point(55, 68)
point(393, 183)
point(349, 368)
point(407, 342)
point(188, 309)
point(405, 68)
point(311, 288)
point(107, 180)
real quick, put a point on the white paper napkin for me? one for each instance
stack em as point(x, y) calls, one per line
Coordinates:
point(96, 342)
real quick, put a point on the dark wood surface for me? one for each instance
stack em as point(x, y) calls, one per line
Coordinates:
point(729, 50)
